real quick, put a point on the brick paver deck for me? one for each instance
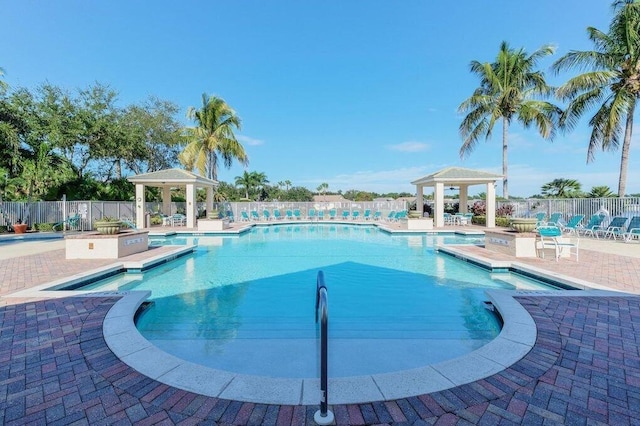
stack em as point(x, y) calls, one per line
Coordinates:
point(55, 367)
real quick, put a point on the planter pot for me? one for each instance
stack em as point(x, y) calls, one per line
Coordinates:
point(20, 228)
point(524, 224)
point(108, 228)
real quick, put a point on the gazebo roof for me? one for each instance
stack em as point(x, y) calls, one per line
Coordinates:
point(457, 176)
point(170, 177)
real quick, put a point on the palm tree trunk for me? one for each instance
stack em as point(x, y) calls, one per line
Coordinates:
point(505, 140)
point(624, 159)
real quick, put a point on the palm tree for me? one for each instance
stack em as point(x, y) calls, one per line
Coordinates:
point(508, 89)
point(561, 188)
point(322, 188)
point(601, 192)
point(245, 181)
point(612, 82)
point(3, 84)
point(212, 137)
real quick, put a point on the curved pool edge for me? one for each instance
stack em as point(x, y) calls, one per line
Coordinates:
point(515, 340)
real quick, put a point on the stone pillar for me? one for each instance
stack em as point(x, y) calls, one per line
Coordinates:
point(419, 199)
point(140, 206)
point(491, 205)
point(464, 195)
point(438, 199)
point(191, 205)
point(209, 199)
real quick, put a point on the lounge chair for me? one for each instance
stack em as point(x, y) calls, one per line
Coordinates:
point(266, 215)
point(391, 216)
point(400, 215)
point(255, 215)
point(633, 230)
point(333, 213)
point(70, 222)
point(551, 237)
point(229, 215)
point(573, 224)
point(540, 216)
point(615, 228)
point(345, 214)
point(595, 223)
point(320, 214)
point(296, 214)
point(554, 219)
point(355, 215)
point(367, 214)
point(289, 214)
point(311, 214)
point(178, 220)
point(377, 215)
point(244, 216)
point(276, 214)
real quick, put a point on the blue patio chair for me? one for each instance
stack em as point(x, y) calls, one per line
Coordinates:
point(255, 215)
point(332, 214)
point(229, 215)
point(296, 214)
point(400, 215)
point(554, 219)
point(345, 214)
point(574, 223)
point(367, 214)
point(595, 223)
point(289, 214)
point(377, 215)
point(355, 215)
point(540, 216)
point(266, 215)
point(311, 214)
point(391, 216)
point(244, 216)
point(320, 214)
point(615, 228)
point(276, 214)
point(633, 230)
point(551, 237)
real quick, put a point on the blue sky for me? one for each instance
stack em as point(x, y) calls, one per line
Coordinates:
point(358, 94)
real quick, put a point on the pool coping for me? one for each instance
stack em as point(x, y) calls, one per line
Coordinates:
point(516, 339)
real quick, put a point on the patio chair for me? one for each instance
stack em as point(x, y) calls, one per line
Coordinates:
point(345, 214)
point(320, 214)
point(178, 220)
point(332, 214)
point(377, 215)
point(276, 214)
point(540, 216)
point(554, 219)
point(573, 224)
point(296, 214)
point(400, 215)
point(244, 216)
point(229, 215)
point(266, 215)
point(255, 215)
point(311, 214)
point(595, 223)
point(367, 214)
point(289, 214)
point(615, 228)
point(391, 216)
point(355, 215)
point(633, 230)
point(70, 222)
point(551, 237)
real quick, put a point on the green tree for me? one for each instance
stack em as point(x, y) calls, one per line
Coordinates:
point(3, 84)
point(601, 192)
point(561, 188)
point(212, 137)
point(612, 82)
point(509, 89)
point(247, 181)
point(322, 188)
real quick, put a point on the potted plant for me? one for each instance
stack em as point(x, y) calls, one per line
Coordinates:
point(19, 227)
point(107, 225)
point(524, 224)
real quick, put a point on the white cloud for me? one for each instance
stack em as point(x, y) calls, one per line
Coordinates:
point(410, 146)
point(249, 141)
point(381, 181)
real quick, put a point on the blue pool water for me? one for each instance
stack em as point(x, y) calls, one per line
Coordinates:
point(246, 304)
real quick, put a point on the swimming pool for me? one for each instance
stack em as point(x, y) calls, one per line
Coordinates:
point(246, 304)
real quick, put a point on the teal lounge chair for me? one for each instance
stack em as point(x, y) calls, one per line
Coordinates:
point(367, 214)
point(289, 214)
point(377, 215)
point(266, 215)
point(595, 223)
point(633, 230)
point(244, 216)
point(573, 224)
point(276, 214)
point(391, 216)
point(345, 214)
point(320, 214)
point(355, 215)
point(540, 218)
point(296, 214)
point(554, 219)
point(332, 214)
point(311, 214)
point(255, 215)
point(615, 228)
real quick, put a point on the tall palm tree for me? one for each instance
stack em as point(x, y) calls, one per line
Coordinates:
point(509, 89)
point(602, 191)
point(561, 188)
point(612, 82)
point(3, 84)
point(212, 138)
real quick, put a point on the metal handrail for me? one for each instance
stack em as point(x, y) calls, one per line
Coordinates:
point(323, 416)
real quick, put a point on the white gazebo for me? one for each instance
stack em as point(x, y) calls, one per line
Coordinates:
point(461, 178)
point(166, 179)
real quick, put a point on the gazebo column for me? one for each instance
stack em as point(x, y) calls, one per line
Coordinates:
point(464, 194)
point(166, 200)
point(140, 206)
point(419, 199)
point(209, 199)
point(438, 198)
point(491, 205)
point(191, 205)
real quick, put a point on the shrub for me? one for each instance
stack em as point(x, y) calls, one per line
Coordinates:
point(43, 227)
point(479, 208)
point(504, 210)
